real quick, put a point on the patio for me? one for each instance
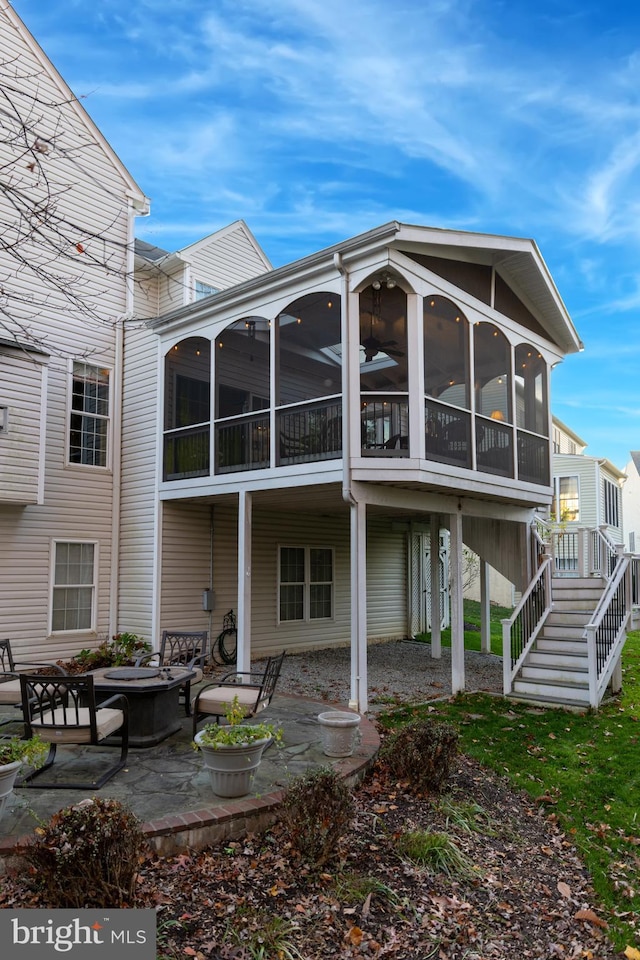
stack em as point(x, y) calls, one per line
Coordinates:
point(167, 787)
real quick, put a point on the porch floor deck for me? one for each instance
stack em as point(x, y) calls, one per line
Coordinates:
point(167, 787)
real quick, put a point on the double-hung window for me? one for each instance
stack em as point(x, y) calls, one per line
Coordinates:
point(567, 499)
point(611, 504)
point(89, 423)
point(74, 586)
point(305, 583)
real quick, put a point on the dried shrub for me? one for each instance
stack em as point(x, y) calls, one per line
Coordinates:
point(87, 856)
point(421, 755)
point(317, 810)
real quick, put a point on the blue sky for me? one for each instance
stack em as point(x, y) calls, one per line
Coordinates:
point(314, 120)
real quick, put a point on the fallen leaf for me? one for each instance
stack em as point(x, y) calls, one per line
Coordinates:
point(631, 953)
point(590, 917)
point(564, 889)
point(355, 935)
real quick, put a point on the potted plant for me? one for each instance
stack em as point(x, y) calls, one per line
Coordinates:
point(15, 752)
point(232, 752)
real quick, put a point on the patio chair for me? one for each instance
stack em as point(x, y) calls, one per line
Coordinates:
point(63, 710)
point(254, 691)
point(10, 670)
point(181, 649)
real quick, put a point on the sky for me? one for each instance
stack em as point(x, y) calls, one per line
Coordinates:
point(316, 120)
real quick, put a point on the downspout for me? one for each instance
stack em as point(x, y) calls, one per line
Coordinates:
point(116, 419)
point(358, 699)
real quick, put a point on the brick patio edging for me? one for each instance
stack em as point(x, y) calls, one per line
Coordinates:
point(229, 820)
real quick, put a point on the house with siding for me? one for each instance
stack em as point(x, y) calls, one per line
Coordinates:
point(321, 424)
point(198, 432)
point(66, 290)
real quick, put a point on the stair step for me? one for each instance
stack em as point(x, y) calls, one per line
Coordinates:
point(555, 701)
point(551, 691)
point(553, 674)
point(562, 618)
point(560, 646)
point(571, 583)
point(563, 633)
point(555, 658)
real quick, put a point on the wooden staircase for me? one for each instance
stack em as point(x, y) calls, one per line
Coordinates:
point(555, 669)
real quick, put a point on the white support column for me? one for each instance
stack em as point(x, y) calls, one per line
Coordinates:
point(485, 608)
point(457, 605)
point(244, 581)
point(434, 599)
point(359, 683)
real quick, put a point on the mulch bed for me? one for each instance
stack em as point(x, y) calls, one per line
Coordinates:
point(527, 894)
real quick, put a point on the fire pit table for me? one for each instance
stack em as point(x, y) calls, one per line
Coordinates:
point(153, 694)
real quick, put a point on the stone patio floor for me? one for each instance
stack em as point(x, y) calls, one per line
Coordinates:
point(168, 789)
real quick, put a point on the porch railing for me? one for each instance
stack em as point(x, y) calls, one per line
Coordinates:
point(521, 629)
point(310, 432)
point(242, 443)
point(384, 423)
point(578, 551)
point(186, 452)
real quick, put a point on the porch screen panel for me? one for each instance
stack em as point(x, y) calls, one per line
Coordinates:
point(446, 352)
point(187, 409)
point(492, 372)
point(532, 408)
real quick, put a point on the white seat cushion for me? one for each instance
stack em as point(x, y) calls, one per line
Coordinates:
point(10, 692)
point(108, 721)
point(217, 700)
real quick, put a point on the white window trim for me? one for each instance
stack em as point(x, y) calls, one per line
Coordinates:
point(85, 631)
point(556, 495)
point(70, 411)
point(615, 491)
point(307, 583)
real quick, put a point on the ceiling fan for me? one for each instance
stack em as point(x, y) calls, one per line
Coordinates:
point(373, 345)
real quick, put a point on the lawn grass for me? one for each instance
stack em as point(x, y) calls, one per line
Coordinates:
point(584, 769)
point(472, 627)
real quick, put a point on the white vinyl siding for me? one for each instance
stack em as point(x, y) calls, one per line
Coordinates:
point(95, 196)
point(23, 380)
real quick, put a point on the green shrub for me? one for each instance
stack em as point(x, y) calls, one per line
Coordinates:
point(421, 755)
point(87, 856)
point(317, 810)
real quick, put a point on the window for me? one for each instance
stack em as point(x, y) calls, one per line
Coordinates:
point(201, 290)
point(74, 587)
point(611, 506)
point(566, 504)
point(306, 583)
point(89, 426)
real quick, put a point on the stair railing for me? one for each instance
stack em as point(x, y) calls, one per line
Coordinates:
point(603, 553)
point(607, 631)
point(521, 629)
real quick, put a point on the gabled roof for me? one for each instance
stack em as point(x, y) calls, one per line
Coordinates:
point(518, 261)
point(138, 198)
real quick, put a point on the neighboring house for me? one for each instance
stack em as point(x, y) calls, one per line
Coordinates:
point(631, 503)
point(587, 494)
point(360, 400)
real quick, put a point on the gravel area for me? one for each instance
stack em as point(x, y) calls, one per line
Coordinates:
point(399, 672)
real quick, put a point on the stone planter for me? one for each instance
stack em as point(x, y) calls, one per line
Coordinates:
point(340, 732)
point(8, 774)
point(232, 767)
